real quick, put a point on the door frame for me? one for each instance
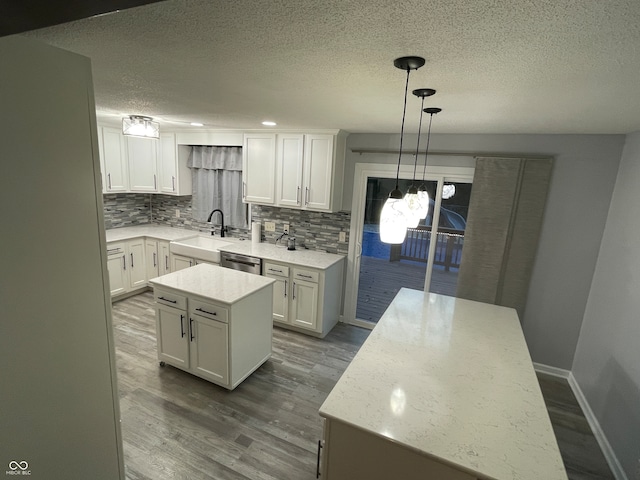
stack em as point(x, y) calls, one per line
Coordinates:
point(363, 171)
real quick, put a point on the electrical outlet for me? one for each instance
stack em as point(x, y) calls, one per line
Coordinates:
point(177, 213)
point(342, 237)
point(286, 228)
point(269, 227)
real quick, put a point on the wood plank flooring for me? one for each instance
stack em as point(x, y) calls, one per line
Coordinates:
point(177, 426)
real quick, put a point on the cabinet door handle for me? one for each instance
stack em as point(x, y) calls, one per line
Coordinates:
point(155, 264)
point(294, 290)
point(181, 326)
point(131, 260)
point(109, 180)
point(191, 329)
point(167, 300)
point(298, 196)
point(173, 183)
point(318, 461)
point(306, 202)
point(124, 262)
point(286, 283)
point(191, 263)
point(244, 192)
point(166, 262)
point(204, 311)
point(155, 185)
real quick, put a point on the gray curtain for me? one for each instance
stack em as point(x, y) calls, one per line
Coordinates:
point(505, 216)
point(217, 183)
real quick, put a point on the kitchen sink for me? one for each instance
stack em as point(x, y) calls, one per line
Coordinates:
point(201, 247)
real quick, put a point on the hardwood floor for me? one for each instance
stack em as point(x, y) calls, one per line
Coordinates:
point(175, 425)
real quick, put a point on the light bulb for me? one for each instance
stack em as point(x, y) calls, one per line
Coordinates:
point(393, 219)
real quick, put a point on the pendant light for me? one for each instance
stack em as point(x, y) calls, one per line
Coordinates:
point(423, 194)
point(393, 218)
point(411, 198)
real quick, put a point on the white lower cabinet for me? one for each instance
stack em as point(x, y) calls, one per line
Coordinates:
point(221, 343)
point(304, 299)
point(126, 265)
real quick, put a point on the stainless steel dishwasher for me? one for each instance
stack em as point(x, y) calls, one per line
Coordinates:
point(244, 263)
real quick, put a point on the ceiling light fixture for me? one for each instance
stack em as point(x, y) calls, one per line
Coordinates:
point(393, 218)
point(196, 124)
point(268, 123)
point(140, 126)
point(413, 203)
point(423, 194)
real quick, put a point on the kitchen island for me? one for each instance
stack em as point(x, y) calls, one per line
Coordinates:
point(443, 388)
point(214, 322)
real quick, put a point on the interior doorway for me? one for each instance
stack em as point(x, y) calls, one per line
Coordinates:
point(377, 271)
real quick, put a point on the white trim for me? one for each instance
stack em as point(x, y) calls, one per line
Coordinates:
point(598, 433)
point(383, 170)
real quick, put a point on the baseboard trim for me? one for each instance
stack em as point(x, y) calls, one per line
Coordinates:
point(601, 438)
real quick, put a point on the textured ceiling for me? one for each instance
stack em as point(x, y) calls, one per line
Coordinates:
point(499, 66)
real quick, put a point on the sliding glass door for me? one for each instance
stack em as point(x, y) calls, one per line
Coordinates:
point(425, 261)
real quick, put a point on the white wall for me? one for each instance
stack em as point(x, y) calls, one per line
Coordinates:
point(582, 182)
point(607, 360)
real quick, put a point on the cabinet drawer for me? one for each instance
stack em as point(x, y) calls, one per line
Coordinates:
point(306, 275)
point(170, 299)
point(209, 310)
point(115, 249)
point(274, 269)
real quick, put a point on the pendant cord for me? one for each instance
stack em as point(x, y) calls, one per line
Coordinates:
point(404, 112)
point(426, 153)
point(415, 164)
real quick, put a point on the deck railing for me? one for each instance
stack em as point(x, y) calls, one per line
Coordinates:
point(416, 247)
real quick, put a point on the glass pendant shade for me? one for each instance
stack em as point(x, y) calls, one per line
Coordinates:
point(139, 126)
point(393, 219)
point(413, 206)
point(423, 200)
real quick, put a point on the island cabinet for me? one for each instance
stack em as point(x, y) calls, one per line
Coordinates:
point(214, 322)
point(443, 388)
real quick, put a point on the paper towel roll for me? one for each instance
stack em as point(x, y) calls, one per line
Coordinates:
point(255, 232)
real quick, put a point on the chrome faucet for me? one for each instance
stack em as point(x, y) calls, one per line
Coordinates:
point(223, 228)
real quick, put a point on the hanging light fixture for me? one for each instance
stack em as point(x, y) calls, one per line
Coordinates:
point(393, 219)
point(423, 194)
point(413, 203)
point(139, 126)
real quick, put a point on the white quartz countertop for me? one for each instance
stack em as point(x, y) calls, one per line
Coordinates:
point(300, 256)
point(266, 251)
point(159, 232)
point(451, 379)
point(212, 282)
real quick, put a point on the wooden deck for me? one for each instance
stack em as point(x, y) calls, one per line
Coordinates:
point(381, 280)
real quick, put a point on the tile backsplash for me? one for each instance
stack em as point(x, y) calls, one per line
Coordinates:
point(313, 230)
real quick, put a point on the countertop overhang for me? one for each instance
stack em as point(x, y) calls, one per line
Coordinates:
point(451, 379)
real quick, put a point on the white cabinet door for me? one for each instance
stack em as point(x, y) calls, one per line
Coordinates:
point(280, 299)
point(178, 262)
point(142, 156)
point(164, 265)
point(114, 160)
point(168, 164)
point(259, 168)
point(152, 259)
point(172, 336)
point(290, 158)
point(209, 352)
point(304, 297)
point(136, 263)
point(318, 170)
point(116, 265)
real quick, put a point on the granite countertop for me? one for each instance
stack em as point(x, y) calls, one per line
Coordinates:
point(451, 379)
point(213, 282)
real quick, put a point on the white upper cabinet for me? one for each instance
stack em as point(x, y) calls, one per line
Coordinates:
point(142, 158)
point(308, 169)
point(175, 176)
point(318, 168)
point(259, 168)
point(114, 160)
point(289, 160)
